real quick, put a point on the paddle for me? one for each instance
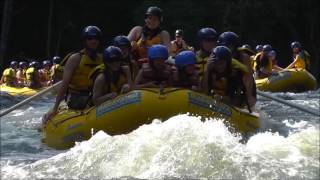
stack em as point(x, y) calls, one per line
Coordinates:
point(42, 92)
point(301, 108)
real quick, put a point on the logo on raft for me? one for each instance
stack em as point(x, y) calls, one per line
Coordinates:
point(208, 103)
point(108, 106)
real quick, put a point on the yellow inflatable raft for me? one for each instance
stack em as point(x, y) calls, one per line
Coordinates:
point(292, 80)
point(14, 91)
point(127, 112)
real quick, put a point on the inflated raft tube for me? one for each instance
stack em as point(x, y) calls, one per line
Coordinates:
point(129, 111)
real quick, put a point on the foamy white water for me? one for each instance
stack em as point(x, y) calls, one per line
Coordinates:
point(286, 147)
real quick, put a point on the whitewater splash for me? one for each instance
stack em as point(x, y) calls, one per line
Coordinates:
point(181, 147)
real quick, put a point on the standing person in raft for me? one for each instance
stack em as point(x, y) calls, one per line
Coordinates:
point(76, 85)
point(142, 38)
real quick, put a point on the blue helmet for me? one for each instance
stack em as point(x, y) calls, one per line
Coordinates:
point(185, 58)
point(179, 33)
point(91, 31)
point(112, 53)
point(295, 44)
point(222, 53)
point(23, 64)
point(121, 41)
point(14, 64)
point(158, 51)
point(267, 48)
point(207, 34)
point(259, 48)
point(56, 59)
point(229, 39)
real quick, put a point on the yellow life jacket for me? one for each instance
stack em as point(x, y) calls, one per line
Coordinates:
point(57, 72)
point(235, 64)
point(80, 80)
point(9, 75)
point(201, 63)
point(30, 74)
point(114, 86)
point(303, 60)
point(140, 48)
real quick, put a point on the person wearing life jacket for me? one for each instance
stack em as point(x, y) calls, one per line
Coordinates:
point(156, 73)
point(186, 75)
point(21, 73)
point(56, 70)
point(142, 38)
point(241, 57)
point(259, 49)
point(272, 55)
point(9, 75)
point(33, 76)
point(111, 78)
point(301, 58)
point(124, 44)
point(179, 43)
point(264, 64)
point(45, 73)
point(207, 39)
point(76, 86)
point(224, 78)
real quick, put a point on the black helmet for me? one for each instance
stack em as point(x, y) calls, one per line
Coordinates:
point(179, 33)
point(229, 39)
point(91, 31)
point(111, 54)
point(155, 11)
point(23, 64)
point(222, 53)
point(207, 34)
point(35, 64)
point(56, 59)
point(14, 64)
point(267, 48)
point(121, 41)
point(259, 48)
point(295, 44)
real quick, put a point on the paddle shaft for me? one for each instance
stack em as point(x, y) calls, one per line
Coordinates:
point(301, 108)
point(29, 99)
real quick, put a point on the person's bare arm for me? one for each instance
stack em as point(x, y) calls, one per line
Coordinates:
point(127, 72)
point(293, 63)
point(165, 38)
point(135, 33)
point(99, 94)
point(139, 79)
point(69, 69)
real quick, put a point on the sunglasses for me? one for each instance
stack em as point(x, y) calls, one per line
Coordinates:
point(92, 37)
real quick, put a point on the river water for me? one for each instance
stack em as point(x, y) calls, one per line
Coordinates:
point(286, 147)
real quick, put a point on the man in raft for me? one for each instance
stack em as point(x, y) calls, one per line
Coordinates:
point(76, 85)
point(241, 58)
point(207, 39)
point(224, 78)
point(186, 75)
point(142, 38)
point(156, 73)
point(9, 75)
point(179, 43)
point(111, 78)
